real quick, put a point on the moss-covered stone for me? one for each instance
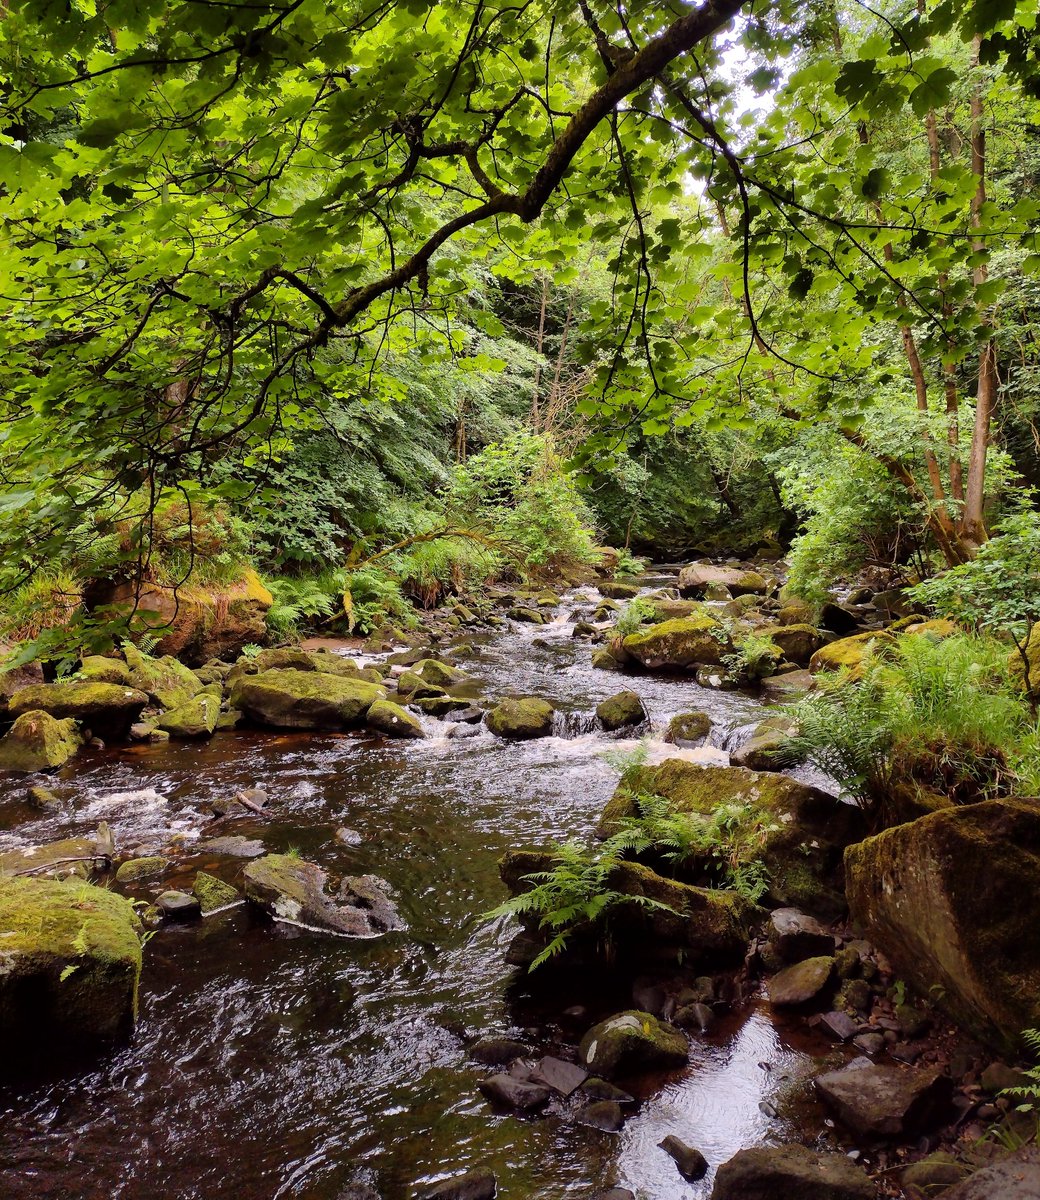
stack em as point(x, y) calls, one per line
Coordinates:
point(386, 717)
point(631, 1042)
point(438, 673)
point(695, 579)
point(196, 719)
point(98, 668)
point(953, 902)
point(679, 644)
point(136, 869)
point(802, 982)
point(798, 643)
point(38, 742)
point(521, 719)
point(617, 590)
point(69, 856)
point(848, 653)
point(288, 699)
point(620, 711)
point(292, 889)
point(791, 1173)
point(213, 894)
point(604, 660)
point(688, 729)
point(798, 832)
point(166, 681)
point(769, 747)
point(71, 958)
point(106, 708)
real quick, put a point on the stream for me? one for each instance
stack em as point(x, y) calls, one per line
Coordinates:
point(274, 1062)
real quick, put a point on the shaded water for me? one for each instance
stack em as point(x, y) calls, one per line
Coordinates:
point(271, 1062)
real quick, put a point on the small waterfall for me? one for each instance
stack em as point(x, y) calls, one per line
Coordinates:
point(573, 724)
point(732, 738)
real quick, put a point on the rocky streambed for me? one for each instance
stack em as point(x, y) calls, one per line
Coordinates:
point(273, 1058)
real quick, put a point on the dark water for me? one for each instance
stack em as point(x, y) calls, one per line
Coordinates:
point(271, 1062)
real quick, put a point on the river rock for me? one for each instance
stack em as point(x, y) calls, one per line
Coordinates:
point(631, 1042)
point(288, 699)
point(688, 730)
point(559, 1075)
point(768, 748)
point(620, 711)
point(803, 835)
point(195, 719)
point(606, 1115)
point(38, 742)
point(795, 935)
point(512, 1092)
point(178, 905)
point(682, 644)
point(521, 719)
point(875, 1100)
point(70, 856)
point(692, 1165)
point(391, 719)
point(789, 1172)
point(71, 957)
point(798, 642)
point(166, 681)
point(234, 846)
point(213, 894)
point(99, 668)
point(695, 579)
point(292, 658)
point(439, 673)
point(838, 1025)
point(291, 889)
point(787, 688)
point(474, 1185)
point(953, 901)
point(497, 1051)
point(106, 708)
point(849, 653)
point(616, 590)
point(1016, 1177)
point(136, 869)
point(801, 983)
point(615, 1194)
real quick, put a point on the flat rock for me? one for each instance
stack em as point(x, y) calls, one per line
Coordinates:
point(1016, 1177)
point(802, 982)
point(796, 936)
point(474, 1185)
point(59, 858)
point(791, 1173)
point(563, 1077)
point(511, 1092)
point(600, 1089)
point(838, 1025)
point(234, 846)
point(292, 889)
point(884, 1101)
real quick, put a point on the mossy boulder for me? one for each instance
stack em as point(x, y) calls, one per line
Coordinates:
point(632, 1042)
point(617, 590)
point(798, 643)
point(291, 889)
point(798, 832)
point(848, 653)
point(107, 709)
point(213, 894)
point(695, 580)
point(289, 658)
point(136, 869)
point(521, 719)
point(953, 902)
point(769, 747)
point(791, 1173)
point(387, 717)
point(438, 673)
point(689, 729)
point(604, 660)
point(166, 681)
point(620, 712)
point(98, 668)
point(196, 719)
point(287, 699)
point(71, 958)
point(679, 644)
point(70, 856)
point(38, 742)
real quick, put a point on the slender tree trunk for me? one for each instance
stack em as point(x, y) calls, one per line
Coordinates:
point(535, 417)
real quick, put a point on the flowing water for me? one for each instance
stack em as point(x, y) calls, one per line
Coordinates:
point(273, 1062)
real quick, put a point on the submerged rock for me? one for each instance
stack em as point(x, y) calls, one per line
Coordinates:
point(71, 956)
point(288, 699)
point(620, 711)
point(521, 719)
point(782, 1172)
point(606, 1115)
point(106, 708)
point(631, 1042)
point(953, 901)
point(38, 742)
point(875, 1100)
point(681, 644)
point(292, 889)
point(474, 1185)
point(393, 720)
point(688, 730)
point(510, 1091)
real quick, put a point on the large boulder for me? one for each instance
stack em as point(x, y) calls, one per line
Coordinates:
point(953, 902)
point(1016, 1177)
point(78, 856)
point(849, 653)
point(683, 923)
point(521, 719)
point(798, 832)
point(292, 658)
point(99, 668)
point(387, 717)
point(38, 742)
point(679, 644)
point(195, 719)
point(167, 682)
point(107, 709)
point(632, 1042)
point(882, 1100)
point(695, 580)
point(798, 642)
point(71, 961)
point(292, 699)
point(291, 889)
point(782, 1172)
point(620, 711)
point(200, 623)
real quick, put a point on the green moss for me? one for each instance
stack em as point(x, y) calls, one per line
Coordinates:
point(38, 742)
point(288, 699)
point(196, 719)
point(688, 727)
point(391, 719)
point(135, 869)
point(166, 681)
point(848, 653)
point(683, 642)
point(99, 669)
point(213, 893)
point(521, 719)
point(79, 699)
point(620, 711)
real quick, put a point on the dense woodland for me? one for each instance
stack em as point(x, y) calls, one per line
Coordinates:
point(394, 323)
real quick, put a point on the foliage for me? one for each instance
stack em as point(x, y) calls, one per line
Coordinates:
point(931, 714)
point(296, 602)
point(1028, 1094)
point(633, 616)
point(628, 564)
point(754, 656)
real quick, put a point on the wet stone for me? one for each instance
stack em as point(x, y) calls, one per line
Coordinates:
point(213, 894)
point(602, 1114)
point(560, 1076)
point(791, 1173)
point(512, 1092)
point(497, 1051)
point(838, 1025)
point(691, 1164)
point(801, 983)
point(234, 847)
point(869, 1043)
point(178, 906)
point(695, 1016)
point(796, 936)
point(885, 1101)
point(474, 1185)
point(600, 1089)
